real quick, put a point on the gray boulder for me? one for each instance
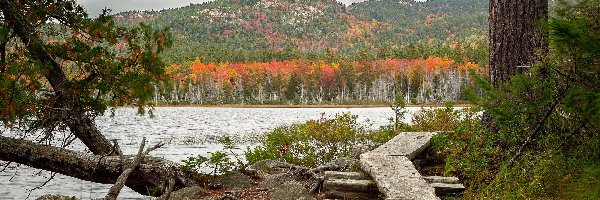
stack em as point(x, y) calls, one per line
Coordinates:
point(234, 180)
point(274, 180)
point(194, 192)
point(291, 191)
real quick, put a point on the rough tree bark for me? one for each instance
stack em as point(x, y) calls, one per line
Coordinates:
point(515, 36)
point(81, 125)
point(152, 173)
point(516, 40)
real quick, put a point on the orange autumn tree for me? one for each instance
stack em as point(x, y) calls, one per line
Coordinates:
point(428, 80)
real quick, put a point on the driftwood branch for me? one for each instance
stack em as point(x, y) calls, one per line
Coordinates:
point(114, 191)
point(116, 188)
point(159, 145)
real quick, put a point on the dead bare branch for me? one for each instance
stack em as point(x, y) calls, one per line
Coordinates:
point(52, 174)
point(116, 188)
point(114, 191)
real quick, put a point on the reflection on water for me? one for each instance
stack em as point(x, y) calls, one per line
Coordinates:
point(187, 132)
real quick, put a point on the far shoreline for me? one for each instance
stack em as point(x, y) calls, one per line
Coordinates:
point(307, 106)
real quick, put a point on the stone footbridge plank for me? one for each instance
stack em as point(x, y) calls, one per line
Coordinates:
point(391, 167)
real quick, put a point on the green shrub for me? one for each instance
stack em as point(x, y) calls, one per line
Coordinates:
point(219, 161)
point(316, 142)
point(441, 119)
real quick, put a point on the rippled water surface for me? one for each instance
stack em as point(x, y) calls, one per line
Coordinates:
point(187, 132)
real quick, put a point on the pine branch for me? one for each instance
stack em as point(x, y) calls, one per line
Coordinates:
point(534, 134)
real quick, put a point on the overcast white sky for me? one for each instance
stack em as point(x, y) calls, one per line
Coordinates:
point(94, 7)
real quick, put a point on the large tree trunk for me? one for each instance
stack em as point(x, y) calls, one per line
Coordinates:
point(516, 38)
point(80, 124)
point(152, 173)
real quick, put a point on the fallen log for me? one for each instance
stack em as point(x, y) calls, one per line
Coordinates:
point(152, 174)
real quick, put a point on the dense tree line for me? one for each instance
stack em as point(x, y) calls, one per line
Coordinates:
point(430, 80)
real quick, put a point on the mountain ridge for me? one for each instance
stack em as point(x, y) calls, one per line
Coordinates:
point(234, 30)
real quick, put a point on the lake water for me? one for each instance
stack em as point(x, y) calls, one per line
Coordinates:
point(186, 132)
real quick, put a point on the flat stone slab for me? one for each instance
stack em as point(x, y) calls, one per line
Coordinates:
point(409, 144)
point(350, 185)
point(441, 179)
point(392, 170)
point(396, 177)
point(346, 175)
point(384, 165)
point(445, 188)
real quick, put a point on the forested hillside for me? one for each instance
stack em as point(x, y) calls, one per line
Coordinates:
point(263, 30)
point(431, 21)
point(320, 51)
